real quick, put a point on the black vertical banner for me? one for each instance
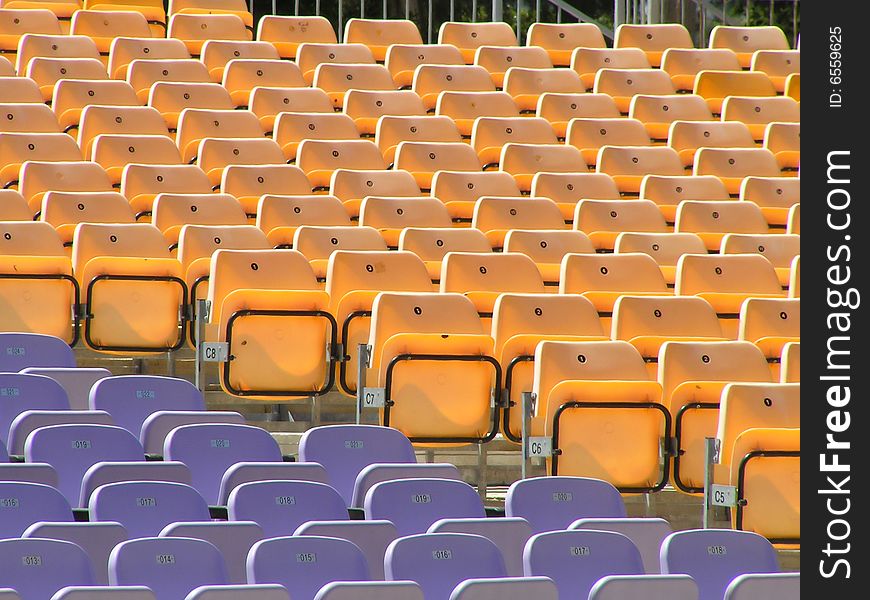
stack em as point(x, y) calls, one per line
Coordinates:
point(835, 457)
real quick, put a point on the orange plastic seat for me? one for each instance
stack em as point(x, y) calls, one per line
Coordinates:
point(657, 113)
point(588, 61)
point(560, 40)
point(468, 37)
point(716, 86)
point(653, 39)
point(776, 196)
point(391, 215)
point(32, 45)
point(280, 216)
point(713, 220)
point(171, 212)
point(142, 74)
point(140, 184)
point(791, 363)
point(794, 220)
point(38, 177)
point(629, 164)
point(19, 90)
point(424, 159)
point(172, 97)
point(318, 243)
point(311, 55)
point(547, 247)
point(779, 249)
point(196, 29)
point(460, 190)
point(793, 86)
point(103, 26)
point(392, 130)
point(213, 7)
point(47, 72)
point(526, 85)
point(241, 76)
point(13, 207)
point(683, 64)
point(292, 128)
point(352, 185)
point(567, 189)
point(746, 40)
point(214, 155)
point(65, 210)
point(489, 134)
point(496, 216)
point(777, 65)
point(560, 108)
point(465, 107)
point(403, 59)
point(16, 22)
point(784, 140)
point(380, 34)
point(337, 79)
point(217, 53)
point(604, 220)
point(771, 323)
point(121, 120)
point(732, 165)
point(665, 248)
point(267, 103)
point(430, 80)
point(18, 148)
point(432, 244)
point(589, 135)
point(498, 59)
point(114, 152)
point(524, 161)
point(757, 113)
point(195, 125)
point(319, 159)
point(125, 50)
point(366, 107)
point(668, 191)
point(624, 84)
point(71, 96)
point(287, 33)
point(687, 136)
point(249, 183)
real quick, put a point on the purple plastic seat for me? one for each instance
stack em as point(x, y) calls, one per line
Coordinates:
point(372, 537)
point(24, 504)
point(246, 472)
point(714, 557)
point(280, 507)
point(239, 592)
point(647, 535)
point(170, 567)
point(304, 564)
point(765, 586)
point(509, 534)
point(370, 590)
point(36, 569)
point(233, 539)
point(553, 503)
point(130, 592)
point(76, 382)
point(210, 449)
point(31, 420)
point(575, 560)
point(29, 473)
point(344, 450)
point(645, 587)
point(439, 562)
point(144, 508)
point(19, 392)
point(96, 539)
point(515, 588)
point(115, 472)
point(379, 472)
point(21, 350)
point(414, 504)
point(158, 425)
point(73, 449)
point(130, 399)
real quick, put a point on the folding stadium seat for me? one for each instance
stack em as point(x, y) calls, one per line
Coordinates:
point(195, 124)
point(370, 590)
point(603, 278)
point(604, 220)
point(553, 503)
point(464, 410)
point(13, 206)
point(320, 159)
point(23, 350)
point(465, 107)
point(352, 185)
point(38, 177)
point(195, 29)
point(140, 184)
point(233, 7)
point(744, 552)
point(779, 249)
point(658, 112)
point(403, 59)
point(460, 190)
point(217, 53)
point(121, 120)
point(380, 34)
point(669, 191)
point(249, 183)
point(770, 324)
point(71, 96)
point(430, 80)
point(267, 103)
point(310, 55)
point(424, 159)
point(392, 130)
point(672, 587)
point(96, 539)
point(784, 140)
point(547, 247)
point(560, 40)
point(629, 164)
point(646, 322)
point(519, 323)
point(513, 588)
point(46, 72)
point(716, 86)
point(391, 215)
point(76, 382)
point(566, 189)
point(746, 40)
point(32, 45)
point(331, 560)
point(777, 65)
point(687, 136)
point(36, 502)
point(653, 39)
point(60, 564)
point(560, 108)
point(318, 243)
point(103, 26)
point(29, 421)
point(693, 375)
point(159, 425)
point(366, 107)
point(756, 113)
point(31, 392)
point(246, 472)
point(526, 85)
point(18, 148)
point(232, 539)
point(292, 128)
point(468, 37)
point(376, 473)
point(683, 64)
point(171, 212)
point(496, 216)
point(171, 97)
point(245, 285)
point(588, 61)
point(524, 161)
point(287, 33)
point(65, 210)
point(108, 472)
point(114, 152)
point(508, 534)
point(589, 135)
point(498, 59)
point(777, 585)
point(27, 118)
point(243, 75)
point(15, 23)
point(646, 533)
point(624, 84)
point(432, 244)
point(279, 216)
point(793, 86)
point(732, 165)
point(19, 90)
point(713, 220)
point(117, 502)
point(489, 134)
point(125, 50)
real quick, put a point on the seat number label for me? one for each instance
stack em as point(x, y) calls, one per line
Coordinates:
point(421, 499)
point(220, 443)
point(145, 394)
point(215, 351)
point(540, 447)
point(146, 502)
point(285, 500)
point(9, 503)
point(15, 351)
point(353, 444)
point(306, 557)
point(723, 495)
point(580, 551)
point(442, 554)
point(81, 444)
point(374, 397)
point(717, 550)
point(31, 560)
point(10, 391)
point(563, 497)
point(165, 559)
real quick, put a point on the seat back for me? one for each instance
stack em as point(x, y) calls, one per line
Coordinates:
point(653, 39)
point(31, 503)
point(561, 39)
point(646, 533)
point(682, 64)
point(22, 350)
point(655, 587)
point(777, 586)
point(287, 33)
point(24, 392)
point(310, 55)
point(125, 50)
point(126, 120)
point(38, 568)
point(144, 508)
point(509, 534)
point(371, 590)
point(496, 216)
point(280, 507)
point(483, 276)
point(96, 539)
point(195, 29)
